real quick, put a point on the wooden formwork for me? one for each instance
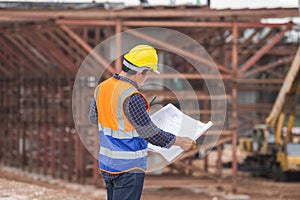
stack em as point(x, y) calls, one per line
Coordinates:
point(40, 58)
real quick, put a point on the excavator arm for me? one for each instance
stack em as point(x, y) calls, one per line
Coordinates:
point(290, 85)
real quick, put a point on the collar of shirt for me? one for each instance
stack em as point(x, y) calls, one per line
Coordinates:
point(123, 78)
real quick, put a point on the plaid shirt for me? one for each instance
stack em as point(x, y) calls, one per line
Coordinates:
point(135, 110)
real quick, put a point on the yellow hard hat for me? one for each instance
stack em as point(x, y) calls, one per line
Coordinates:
point(141, 57)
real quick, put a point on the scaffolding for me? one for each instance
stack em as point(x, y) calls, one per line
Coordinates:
point(42, 49)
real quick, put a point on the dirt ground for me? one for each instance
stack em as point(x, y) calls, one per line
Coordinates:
point(18, 187)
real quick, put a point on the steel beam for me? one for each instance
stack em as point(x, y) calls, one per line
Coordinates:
point(21, 59)
point(87, 22)
point(250, 87)
point(9, 63)
point(118, 30)
point(248, 40)
point(177, 50)
point(149, 13)
point(264, 25)
point(39, 57)
point(28, 55)
point(185, 95)
point(64, 62)
point(190, 76)
point(250, 62)
point(245, 54)
point(234, 123)
point(70, 46)
point(259, 81)
point(4, 70)
point(153, 23)
point(89, 49)
point(269, 66)
point(36, 42)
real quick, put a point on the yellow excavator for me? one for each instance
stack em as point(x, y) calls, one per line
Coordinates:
point(270, 150)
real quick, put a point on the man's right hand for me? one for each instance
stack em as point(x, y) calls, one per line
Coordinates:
point(184, 142)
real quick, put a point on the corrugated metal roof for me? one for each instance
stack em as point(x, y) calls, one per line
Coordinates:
point(20, 10)
point(59, 6)
point(111, 5)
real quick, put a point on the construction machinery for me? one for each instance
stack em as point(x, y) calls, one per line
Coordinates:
point(270, 150)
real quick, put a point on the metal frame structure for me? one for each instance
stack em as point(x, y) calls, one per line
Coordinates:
point(41, 51)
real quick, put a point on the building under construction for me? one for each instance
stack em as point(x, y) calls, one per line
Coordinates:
point(43, 46)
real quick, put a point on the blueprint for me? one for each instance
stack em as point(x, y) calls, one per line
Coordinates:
point(172, 120)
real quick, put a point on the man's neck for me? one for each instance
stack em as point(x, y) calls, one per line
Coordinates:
point(127, 76)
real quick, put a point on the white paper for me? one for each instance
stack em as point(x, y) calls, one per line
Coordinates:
point(172, 120)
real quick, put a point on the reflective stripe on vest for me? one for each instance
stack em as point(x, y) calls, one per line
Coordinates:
point(125, 94)
point(120, 150)
point(116, 134)
point(123, 154)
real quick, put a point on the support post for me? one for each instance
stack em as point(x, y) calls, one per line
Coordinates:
point(118, 46)
point(234, 103)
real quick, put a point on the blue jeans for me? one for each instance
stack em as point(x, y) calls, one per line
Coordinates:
point(127, 186)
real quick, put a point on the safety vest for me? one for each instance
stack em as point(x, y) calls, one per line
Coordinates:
point(121, 148)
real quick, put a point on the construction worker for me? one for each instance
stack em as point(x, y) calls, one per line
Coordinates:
point(125, 128)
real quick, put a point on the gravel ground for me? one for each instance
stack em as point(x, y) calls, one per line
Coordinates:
point(19, 187)
point(10, 189)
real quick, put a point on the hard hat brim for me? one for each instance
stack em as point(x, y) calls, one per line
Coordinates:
point(156, 71)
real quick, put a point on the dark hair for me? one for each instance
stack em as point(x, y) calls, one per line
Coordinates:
point(132, 72)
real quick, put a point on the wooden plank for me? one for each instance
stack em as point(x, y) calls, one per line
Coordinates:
point(287, 85)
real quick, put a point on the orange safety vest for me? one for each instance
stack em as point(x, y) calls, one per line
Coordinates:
point(121, 148)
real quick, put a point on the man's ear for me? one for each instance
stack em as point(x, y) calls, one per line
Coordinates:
point(138, 74)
